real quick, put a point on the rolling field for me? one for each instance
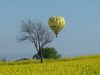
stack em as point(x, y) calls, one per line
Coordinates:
point(85, 65)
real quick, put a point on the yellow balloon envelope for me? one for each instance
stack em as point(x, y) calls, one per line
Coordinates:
point(56, 23)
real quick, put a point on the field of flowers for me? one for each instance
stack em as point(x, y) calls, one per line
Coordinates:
point(54, 67)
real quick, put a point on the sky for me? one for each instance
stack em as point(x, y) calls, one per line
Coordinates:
point(80, 36)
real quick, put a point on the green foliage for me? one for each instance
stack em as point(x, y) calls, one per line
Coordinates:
point(50, 53)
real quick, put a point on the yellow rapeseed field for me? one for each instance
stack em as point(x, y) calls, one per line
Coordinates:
point(54, 67)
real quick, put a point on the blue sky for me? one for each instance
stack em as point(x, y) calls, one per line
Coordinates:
point(80, 36)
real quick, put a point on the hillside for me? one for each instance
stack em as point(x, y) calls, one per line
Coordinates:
point(83, 65)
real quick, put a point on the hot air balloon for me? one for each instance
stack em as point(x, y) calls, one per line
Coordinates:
point(56, 23)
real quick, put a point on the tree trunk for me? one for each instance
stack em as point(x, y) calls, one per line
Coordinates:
point(40, 54)
point(41, 58)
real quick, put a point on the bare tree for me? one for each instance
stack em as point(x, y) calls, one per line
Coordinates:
point(37, 34)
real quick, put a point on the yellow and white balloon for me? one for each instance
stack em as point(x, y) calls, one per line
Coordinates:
point(56, 23)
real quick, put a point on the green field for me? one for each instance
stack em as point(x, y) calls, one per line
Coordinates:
point(83, 65)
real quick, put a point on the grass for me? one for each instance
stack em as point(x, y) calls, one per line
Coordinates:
point(82, 65)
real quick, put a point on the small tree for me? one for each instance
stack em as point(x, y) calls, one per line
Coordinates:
point(37, 34)
point(48, 53)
